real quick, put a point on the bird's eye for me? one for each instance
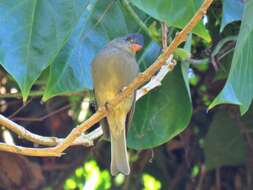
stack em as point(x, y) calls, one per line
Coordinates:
point(131, 40)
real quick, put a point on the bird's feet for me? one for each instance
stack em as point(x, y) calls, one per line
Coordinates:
point(108, 107)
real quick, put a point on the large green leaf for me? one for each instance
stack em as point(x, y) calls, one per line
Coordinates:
point(164, 112)
point(185, 64)
point(32, 33)
point(174, 12)
point(224, 145)
point(232, 11)
point(239, 86)
point(71, 72)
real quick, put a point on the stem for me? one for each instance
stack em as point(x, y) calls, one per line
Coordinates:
point(136, 18)
point(222, 43)
point(19, 95)
point(164, 35)
point(141, 79)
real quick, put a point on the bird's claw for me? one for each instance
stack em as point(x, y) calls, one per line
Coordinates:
point(108, 107)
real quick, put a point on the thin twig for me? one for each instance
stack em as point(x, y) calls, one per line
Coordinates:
point(156, 80)
point(139, 80)
point(18, 95)
point(201, 177)
point(217, 179)
point(100, 18)
point(42, 118)
point(21, 108)
point(137, 19)
point(225, 53)
point(42, 140)
point(135, 84)
point(164, 35)
point(221, 44)
point(87, 139)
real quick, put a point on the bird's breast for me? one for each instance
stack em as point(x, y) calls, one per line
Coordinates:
point(112, 71)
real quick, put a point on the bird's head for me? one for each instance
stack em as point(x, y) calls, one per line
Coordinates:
point(131, 42)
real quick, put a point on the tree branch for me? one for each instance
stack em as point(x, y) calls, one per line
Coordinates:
point(84, 139)
point(156, 80)
point(135, 84)
point(139, 80)
point(28, 151)
point(47, 141)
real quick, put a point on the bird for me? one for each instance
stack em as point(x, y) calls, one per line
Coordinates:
point(113, 68)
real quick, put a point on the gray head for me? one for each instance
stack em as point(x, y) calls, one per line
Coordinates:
point(131, 42)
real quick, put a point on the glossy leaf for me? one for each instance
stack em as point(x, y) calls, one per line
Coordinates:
point(182, 53)
point(185, 64)
point(32, 33)
point(71, 72)
point(238, 88)
point(164, 112)
point(232, 11)
point(174, 12)
point(224, 145)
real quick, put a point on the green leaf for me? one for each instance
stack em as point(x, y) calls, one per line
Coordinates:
point(224, 67)
point(182, 53)
point(71, 72)
point(224, 145)
point(162, 113)
point(232, 11)
point(185, 64)
point(238, 88)
point(175, 13)
point(32, 33)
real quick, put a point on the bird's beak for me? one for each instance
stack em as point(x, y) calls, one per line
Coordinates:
point(136, 47)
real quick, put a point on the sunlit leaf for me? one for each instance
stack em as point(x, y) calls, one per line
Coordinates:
point(238, 88)
point(32, 33)
point(70, 184)
point(71, 72)
point(150, 183)
point(164, 112)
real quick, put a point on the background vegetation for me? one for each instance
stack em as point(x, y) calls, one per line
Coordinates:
point(176, 141)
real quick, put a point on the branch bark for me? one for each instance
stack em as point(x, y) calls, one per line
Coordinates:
point(139, 80)
point(84, 139)
point(135, 84)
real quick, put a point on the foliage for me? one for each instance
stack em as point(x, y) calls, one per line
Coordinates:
point(90, 173)
point(91, 177)
point(219, 143)
point(46, 48)
point(159, 122)
point(174, 13)
point(150, 183)
point(238, 88)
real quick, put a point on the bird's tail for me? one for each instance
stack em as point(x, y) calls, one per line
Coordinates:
point(119, 156)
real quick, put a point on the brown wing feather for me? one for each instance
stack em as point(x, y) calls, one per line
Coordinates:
point(105, 125)
point(130, 114)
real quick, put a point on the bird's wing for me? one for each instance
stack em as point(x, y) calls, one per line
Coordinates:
point(130, 114)
point(105, 127)
point(104, 124)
